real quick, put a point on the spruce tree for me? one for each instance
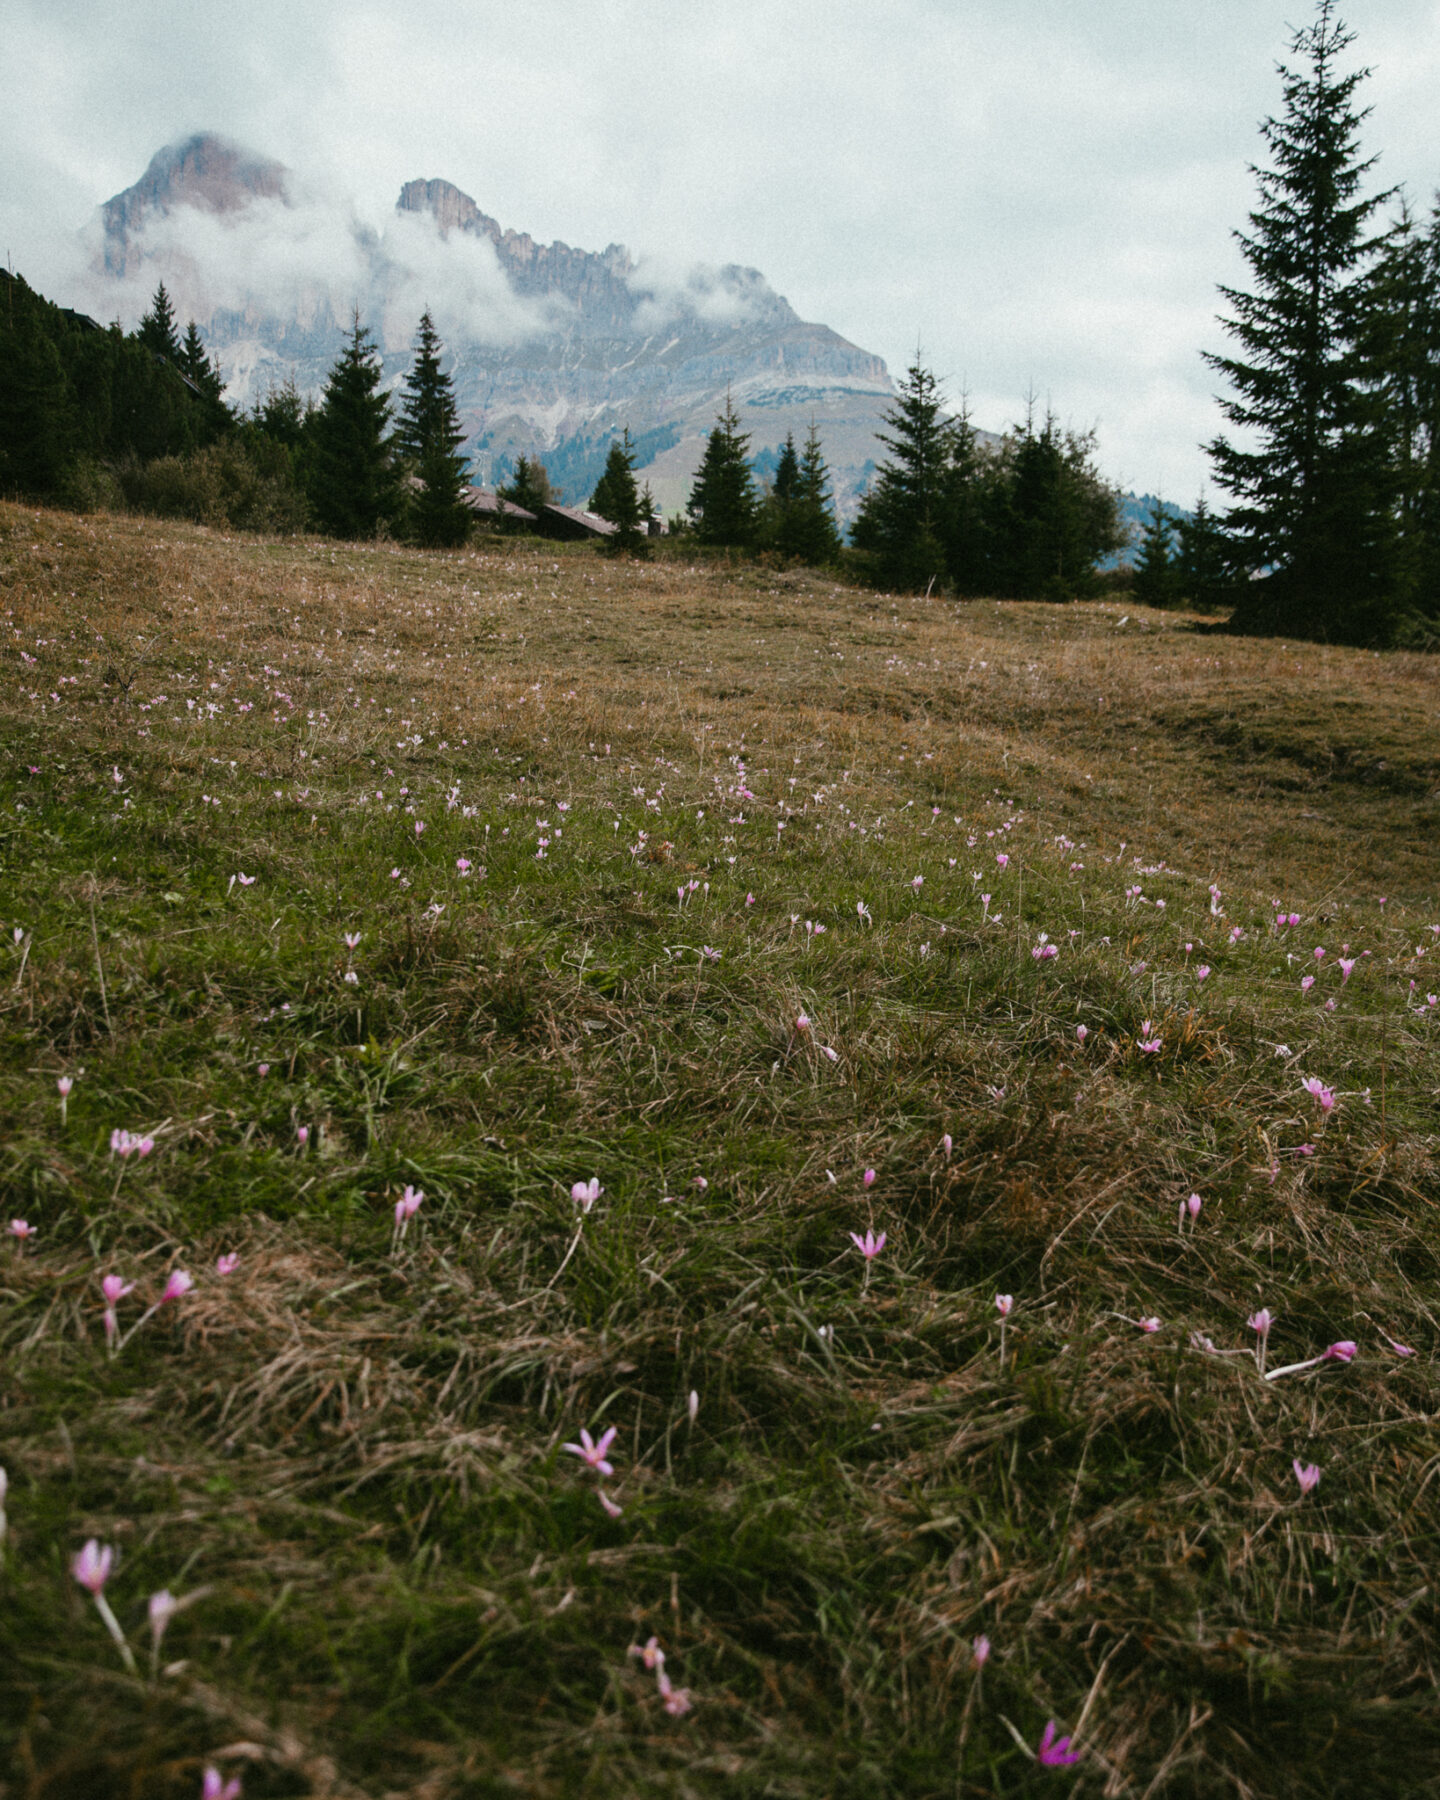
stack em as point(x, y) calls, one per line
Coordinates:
point(194, 362)
point(772, 530)
point(902, 520)
point(353, 485)
point(1401, 344)
point(157, 329)
point(722, 501)
point(970, 508)
point(812, 535)
point(428, 437)
point(1311, 507)
point(786, 485)
point(1049, 516)
point(617, 499)
point(1202, 567)
point(38, 425)
point(529, 486)
point(1156, 571)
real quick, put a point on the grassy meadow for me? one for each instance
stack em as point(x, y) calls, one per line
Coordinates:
point(778, 911)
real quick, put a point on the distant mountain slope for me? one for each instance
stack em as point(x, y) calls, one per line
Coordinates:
point(554, 349)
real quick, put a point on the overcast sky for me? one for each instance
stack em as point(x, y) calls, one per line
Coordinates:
point(1040, 193)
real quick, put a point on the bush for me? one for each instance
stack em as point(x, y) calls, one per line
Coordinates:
point(247, 487)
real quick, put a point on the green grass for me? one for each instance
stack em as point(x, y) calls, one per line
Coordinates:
point(350, 1450)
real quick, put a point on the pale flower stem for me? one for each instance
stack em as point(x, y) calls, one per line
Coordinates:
point(568, 1254)
point(112, 1625)
point(1294, 1368)
point(1002, 1343)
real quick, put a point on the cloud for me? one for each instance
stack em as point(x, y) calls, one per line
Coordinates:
point(459, 279)
point(669, 293)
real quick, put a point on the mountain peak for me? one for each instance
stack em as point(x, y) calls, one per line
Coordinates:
point(205, 171)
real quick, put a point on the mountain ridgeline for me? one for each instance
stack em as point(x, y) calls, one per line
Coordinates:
point(554, 349)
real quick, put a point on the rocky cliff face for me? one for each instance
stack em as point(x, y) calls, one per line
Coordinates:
point(205, 173)
point(554, 349)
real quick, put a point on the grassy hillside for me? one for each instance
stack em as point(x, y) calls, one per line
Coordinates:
point(721, 890)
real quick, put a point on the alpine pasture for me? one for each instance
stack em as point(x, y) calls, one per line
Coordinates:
point(469, 1021)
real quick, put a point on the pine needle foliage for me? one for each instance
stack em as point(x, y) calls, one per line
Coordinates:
point(1311, 506)
point(618, 499)
point(428, 437)
point(354, 485)
point(722, 501)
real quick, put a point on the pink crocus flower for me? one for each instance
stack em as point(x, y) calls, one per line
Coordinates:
point(1317, 1090)
point(1082, 1032)
point(1341, 1352)
point(92, 1564)
point(1004, 1304)
point(1150, 1325)
point(213, 1788)
point(302, 1135)
point(1395, 1344)
point(1055, 1752)
point(163, 1607)
point(802, 1022)
point(677, 1700)
point(64, 1084)
point(1319, 953)
point(1148, 1041)
point(649, 1653)
point(177, 1286)
point(1193, 1205)
point(1307, 1474)
point(1260, 1322)
point(91, 1568)
point(115, 1289)
point(947, 1144)
point(591, 1453)
point(1347, 966)
point(1002, 860)
point(869, 1178)
point(21, 1229)
point(227, 1264)
point(980, 1650)
point(407, 1206)
point(1306, 983)
point(586, 1193)
point(869, 1246)
point(611, 1507)
point(262, 1070)
point(1202, 972)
